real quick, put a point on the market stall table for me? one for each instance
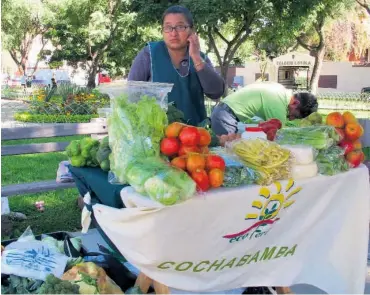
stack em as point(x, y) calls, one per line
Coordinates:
point(312, 231)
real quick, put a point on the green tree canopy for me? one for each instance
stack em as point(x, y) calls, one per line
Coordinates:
point(22, 21)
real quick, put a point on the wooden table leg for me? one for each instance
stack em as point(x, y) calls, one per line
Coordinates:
point(143, 282)
point(283, 290)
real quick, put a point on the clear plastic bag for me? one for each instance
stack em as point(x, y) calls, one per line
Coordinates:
point(162, 183)
point(236, 173)
point(136, 89)
point(135, 131)
point(319, 137)
point(302, 154)
point(331, 161)
point(136, 128)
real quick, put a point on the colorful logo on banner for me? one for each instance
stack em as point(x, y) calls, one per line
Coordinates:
point(269, 207)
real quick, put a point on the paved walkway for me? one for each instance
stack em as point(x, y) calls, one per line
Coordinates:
point(9, 108)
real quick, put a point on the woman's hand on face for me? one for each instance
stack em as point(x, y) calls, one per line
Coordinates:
point(194, 48)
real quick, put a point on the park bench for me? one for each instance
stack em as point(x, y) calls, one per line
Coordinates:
point(96, 128)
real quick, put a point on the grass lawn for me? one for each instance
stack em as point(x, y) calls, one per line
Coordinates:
point(61, 211)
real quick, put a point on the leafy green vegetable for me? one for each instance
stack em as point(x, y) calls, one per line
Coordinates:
point(73, 149)
point(19, 285)
point(331, 161)
point(78, 161)
point(319, 137)
point(135, 132)
point(54, 285)
point(175, 115)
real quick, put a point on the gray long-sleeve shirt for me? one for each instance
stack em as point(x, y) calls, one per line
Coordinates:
point(212, 83)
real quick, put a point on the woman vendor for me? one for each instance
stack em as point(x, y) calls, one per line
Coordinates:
point(178, 60)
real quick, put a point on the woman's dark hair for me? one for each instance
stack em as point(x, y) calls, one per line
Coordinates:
point(307, 103)
point(177, 9)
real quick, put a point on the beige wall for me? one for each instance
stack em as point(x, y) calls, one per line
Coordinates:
point(350, 79)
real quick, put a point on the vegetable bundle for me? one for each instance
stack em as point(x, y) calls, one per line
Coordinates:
point(331, 161)
point(268, 159)
point(319, 137)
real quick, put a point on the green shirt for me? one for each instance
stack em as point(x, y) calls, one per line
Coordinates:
point(266, 100)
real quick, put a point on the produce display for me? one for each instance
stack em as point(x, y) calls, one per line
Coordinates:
point(135, 134)
point(187, 149)
point(152, 149)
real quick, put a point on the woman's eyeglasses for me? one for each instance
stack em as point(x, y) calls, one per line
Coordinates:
point(180, 28)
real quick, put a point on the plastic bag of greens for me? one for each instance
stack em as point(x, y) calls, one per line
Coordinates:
point(135, 131)
point(154, 178)
point(331, 161)
point(236, 173)
point(319, 137)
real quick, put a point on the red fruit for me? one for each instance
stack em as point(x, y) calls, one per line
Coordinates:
point(205, 137)
point(179, 162)
point(353, 131)
point(347, 146)
point(355, 158)
point(184, 150)
point(335, 119)
point(216, 177)
point(173, 130)
point(201, 179)
point(341, 134)
point(348, 117)
point(195, 162)
point(215, 161)
point(189, 136)
point(170, 146)
point(357, 145)
point(204, 150)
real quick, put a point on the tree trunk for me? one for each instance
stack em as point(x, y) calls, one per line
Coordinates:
point(224, 67)
point(319, 58)
point(92, 74)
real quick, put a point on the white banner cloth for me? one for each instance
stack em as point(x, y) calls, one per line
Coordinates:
point(312, 231)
